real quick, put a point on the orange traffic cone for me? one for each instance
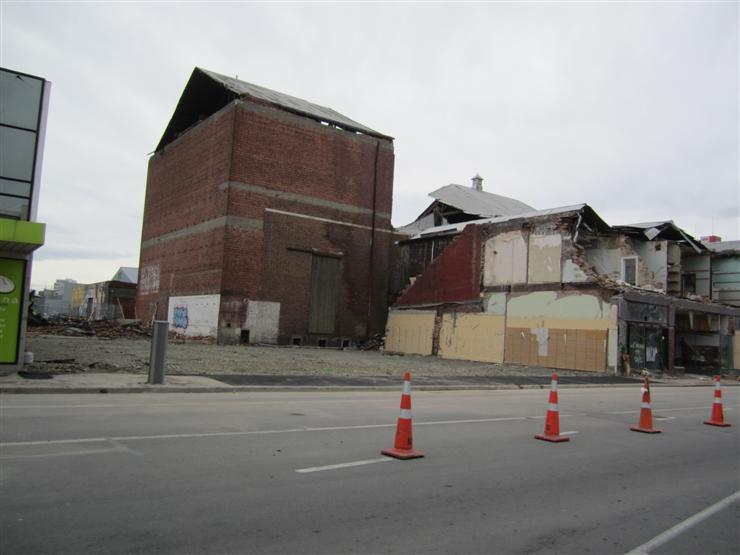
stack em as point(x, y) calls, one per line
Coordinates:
point(403, 448)
point(646, 414)
point(718, 418)
point(552, 422)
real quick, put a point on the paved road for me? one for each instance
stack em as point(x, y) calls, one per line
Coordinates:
point(253, 473)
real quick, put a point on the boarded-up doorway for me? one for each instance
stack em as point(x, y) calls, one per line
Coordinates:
point(324, 291)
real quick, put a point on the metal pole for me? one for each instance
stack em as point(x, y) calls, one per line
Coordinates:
point(158, 352)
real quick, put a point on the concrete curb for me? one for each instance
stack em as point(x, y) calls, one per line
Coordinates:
point(309, 388)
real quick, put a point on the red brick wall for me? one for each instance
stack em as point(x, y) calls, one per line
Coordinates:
point(286, 276)
point(199, 177)
point(182, 191)
point(453, 277)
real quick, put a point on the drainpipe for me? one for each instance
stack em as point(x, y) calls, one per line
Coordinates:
point(371, 265)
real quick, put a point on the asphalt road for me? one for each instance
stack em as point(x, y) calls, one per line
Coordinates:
point(256, 473)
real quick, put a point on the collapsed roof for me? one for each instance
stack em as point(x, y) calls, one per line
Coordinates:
point(207, 92)
point(661, 230)
point(588, 215)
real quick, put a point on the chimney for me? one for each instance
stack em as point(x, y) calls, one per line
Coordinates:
point(477, 182)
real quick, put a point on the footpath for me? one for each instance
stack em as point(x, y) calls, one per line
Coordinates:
point(119, 382)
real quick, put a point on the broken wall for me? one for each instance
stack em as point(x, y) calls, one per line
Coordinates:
point(561, 330)
point(652, 263)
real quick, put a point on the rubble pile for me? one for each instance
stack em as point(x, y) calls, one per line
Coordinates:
point(80, 327)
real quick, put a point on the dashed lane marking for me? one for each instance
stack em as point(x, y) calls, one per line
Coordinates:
point(341, 465)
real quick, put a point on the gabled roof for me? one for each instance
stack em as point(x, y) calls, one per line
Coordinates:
point(207, 92)
point(661, 230)
point(127, 274)
point(481, 203)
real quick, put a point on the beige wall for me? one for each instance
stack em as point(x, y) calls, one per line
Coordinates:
point(544, 258)
point(505, 259)
point(410, 331)
point(558, 330)
point(472, 337)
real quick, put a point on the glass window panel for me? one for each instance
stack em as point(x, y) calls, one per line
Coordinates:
point(16, 153)
point(21, 188)
point(13, 207)
point(19, 99)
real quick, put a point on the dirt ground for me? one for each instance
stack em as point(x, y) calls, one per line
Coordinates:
point(61, 354)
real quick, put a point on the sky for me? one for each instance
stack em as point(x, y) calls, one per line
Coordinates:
point(631, 107)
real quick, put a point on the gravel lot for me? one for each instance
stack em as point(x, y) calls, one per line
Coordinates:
point(61, 354)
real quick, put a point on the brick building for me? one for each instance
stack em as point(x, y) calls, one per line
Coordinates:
point(267, 219)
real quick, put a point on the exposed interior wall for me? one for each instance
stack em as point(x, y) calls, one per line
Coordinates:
point(673, 286)
point(572, 273)
point(472, 336)
point(505, 259)
point(410, 331)
point(561, 330)
point(194, 315)
point(699, 266)
point(544, 258)
point(652, 266)
point(605, 255)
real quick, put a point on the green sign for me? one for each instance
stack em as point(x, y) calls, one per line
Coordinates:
point(11, 301)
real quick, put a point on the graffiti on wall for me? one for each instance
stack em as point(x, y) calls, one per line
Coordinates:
point(180, 317)
point(149, 279)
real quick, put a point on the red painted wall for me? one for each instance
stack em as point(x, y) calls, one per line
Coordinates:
point(453, 277)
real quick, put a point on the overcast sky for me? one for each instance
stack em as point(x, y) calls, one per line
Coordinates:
point(629, 107)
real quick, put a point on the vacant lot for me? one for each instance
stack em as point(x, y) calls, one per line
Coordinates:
point(61, 354)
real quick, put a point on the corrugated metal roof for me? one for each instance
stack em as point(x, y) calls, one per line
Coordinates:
point(297, 105)
point(482, 203)
point(457, 228)
point(651, 230)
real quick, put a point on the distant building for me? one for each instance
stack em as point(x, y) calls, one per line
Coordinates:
point(267, 219)
point(106, 300)
point(56, 301)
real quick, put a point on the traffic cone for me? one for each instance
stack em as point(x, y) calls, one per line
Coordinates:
point(552, 422)
point(403, 447)
point(718, 418)
point(646, 414)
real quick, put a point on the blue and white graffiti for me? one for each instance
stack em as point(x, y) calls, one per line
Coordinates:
point(180, 317)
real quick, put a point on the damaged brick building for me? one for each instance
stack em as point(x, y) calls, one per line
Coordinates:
point(267, 219)
point(561, 288)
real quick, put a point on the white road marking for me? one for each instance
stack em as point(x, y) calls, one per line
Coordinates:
point(299, 430)
point(684, 525)
point(257, 432)
point(341, 465)
point(706, 407)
